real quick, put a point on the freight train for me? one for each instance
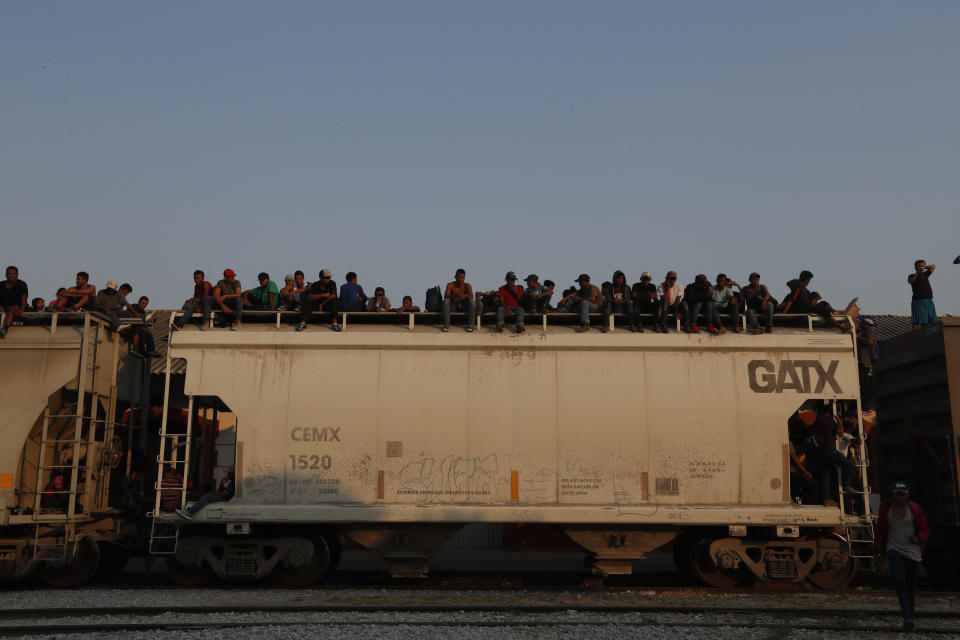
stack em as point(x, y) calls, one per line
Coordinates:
point(393, 436)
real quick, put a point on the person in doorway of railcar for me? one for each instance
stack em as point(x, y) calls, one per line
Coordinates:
point(921, 305)
point(222, 494)
point(13, 299)
point(902, 530)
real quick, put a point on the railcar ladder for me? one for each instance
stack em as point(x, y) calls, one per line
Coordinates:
point(86, 461)
point(174, 453)
point(858, 526)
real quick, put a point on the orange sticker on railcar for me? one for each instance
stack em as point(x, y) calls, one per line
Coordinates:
point(6, 481)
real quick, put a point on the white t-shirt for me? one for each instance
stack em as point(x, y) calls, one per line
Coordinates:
point(898, 536)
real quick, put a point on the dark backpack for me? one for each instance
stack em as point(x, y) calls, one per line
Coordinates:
point(433, 301)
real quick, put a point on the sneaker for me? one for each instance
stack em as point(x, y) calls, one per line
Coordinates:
point(738, 329)
point(769, 329)
point(122, 328)
point(183, 514)
point(150, 316)
point(336, 327)
point(694, 329)
point(237, 325)
point(282, 308)
point(3, 332)
point(301, 326)
point(499, 327)
point(633, 328)
point(233, 326)
point(444, 328)
point(909, 624)
point(203, 326)
point(712, 330)
point(521, 329)
point(470, 328)
point(604, 329)
point(583, 328)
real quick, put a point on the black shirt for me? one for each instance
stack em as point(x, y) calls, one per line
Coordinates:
point(319, 287)
point(643, 291)
point(800, 296)
point(921, 286)
point(13, 296)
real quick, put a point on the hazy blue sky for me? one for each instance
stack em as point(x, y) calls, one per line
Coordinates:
point(139, 141)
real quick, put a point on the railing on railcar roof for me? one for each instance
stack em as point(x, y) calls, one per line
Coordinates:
point(431, 318)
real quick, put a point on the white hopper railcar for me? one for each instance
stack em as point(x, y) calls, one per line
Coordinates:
point(397, 436)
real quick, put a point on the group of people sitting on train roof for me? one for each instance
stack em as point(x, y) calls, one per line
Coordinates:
point(823, 446)
point(510, 301)
point(111, 301)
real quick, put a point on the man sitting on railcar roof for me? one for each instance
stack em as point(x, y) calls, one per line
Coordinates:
point(228, 294)
point(671, 296)
point(757, 300)
point(201, 291)
point(726, 300)
point(266, 297)
point(696, 296)
point(619, 300)
point(292, 295)
point(458, 296)
point(586, 300)
point(78, 297)
point(645, 300)
point(110, 303)
point(408, 306)
point(13, 298)
point(798, 300)
point(379, 302)
point(536, 297)
point(511, 295)
point(322, 297)
point(352, 296)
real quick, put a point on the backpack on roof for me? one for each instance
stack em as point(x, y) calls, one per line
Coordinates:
point(433, 300)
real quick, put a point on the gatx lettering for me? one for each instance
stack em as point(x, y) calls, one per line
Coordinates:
point(802, 376)
point(315, 434)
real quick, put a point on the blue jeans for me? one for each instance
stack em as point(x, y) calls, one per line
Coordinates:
point(666, 309)
point(752, 316)
point(610, 307)
point(732, 308)
point(905, 573)
point(502, 314)
point(235, 304)
point(188, 311)
point(206, 499)
point(690, 313)
point(585, 307)
point(467, 304)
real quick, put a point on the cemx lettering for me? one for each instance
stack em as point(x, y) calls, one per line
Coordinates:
point(801, 376)
point(315, 434)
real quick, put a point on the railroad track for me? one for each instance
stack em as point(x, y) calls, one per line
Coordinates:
point(124, 620)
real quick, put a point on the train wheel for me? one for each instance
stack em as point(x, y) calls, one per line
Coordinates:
point(189, 576)
point(79, 570)
point(707, 571)
point(310, 573)
point(837, 577)
point(334, 544)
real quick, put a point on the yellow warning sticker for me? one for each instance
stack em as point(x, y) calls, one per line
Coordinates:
point(6, 481)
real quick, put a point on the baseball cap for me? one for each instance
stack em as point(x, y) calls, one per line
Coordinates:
point(901, 487)
point(112, 284)
point(868, 321)
point(229, 272)
point(582, 277)
point(326, 273)
point(645, 274)
point(510, 274)
point(533, 277)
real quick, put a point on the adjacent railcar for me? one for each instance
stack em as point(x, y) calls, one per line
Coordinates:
point(397, 436)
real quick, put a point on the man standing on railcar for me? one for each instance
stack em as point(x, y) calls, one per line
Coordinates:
point(321, 297)
point(902, 530)
point(921, 306)
point(13, 298)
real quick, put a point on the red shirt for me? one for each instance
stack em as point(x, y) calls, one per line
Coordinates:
point(202, 290)
point(510, 295)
